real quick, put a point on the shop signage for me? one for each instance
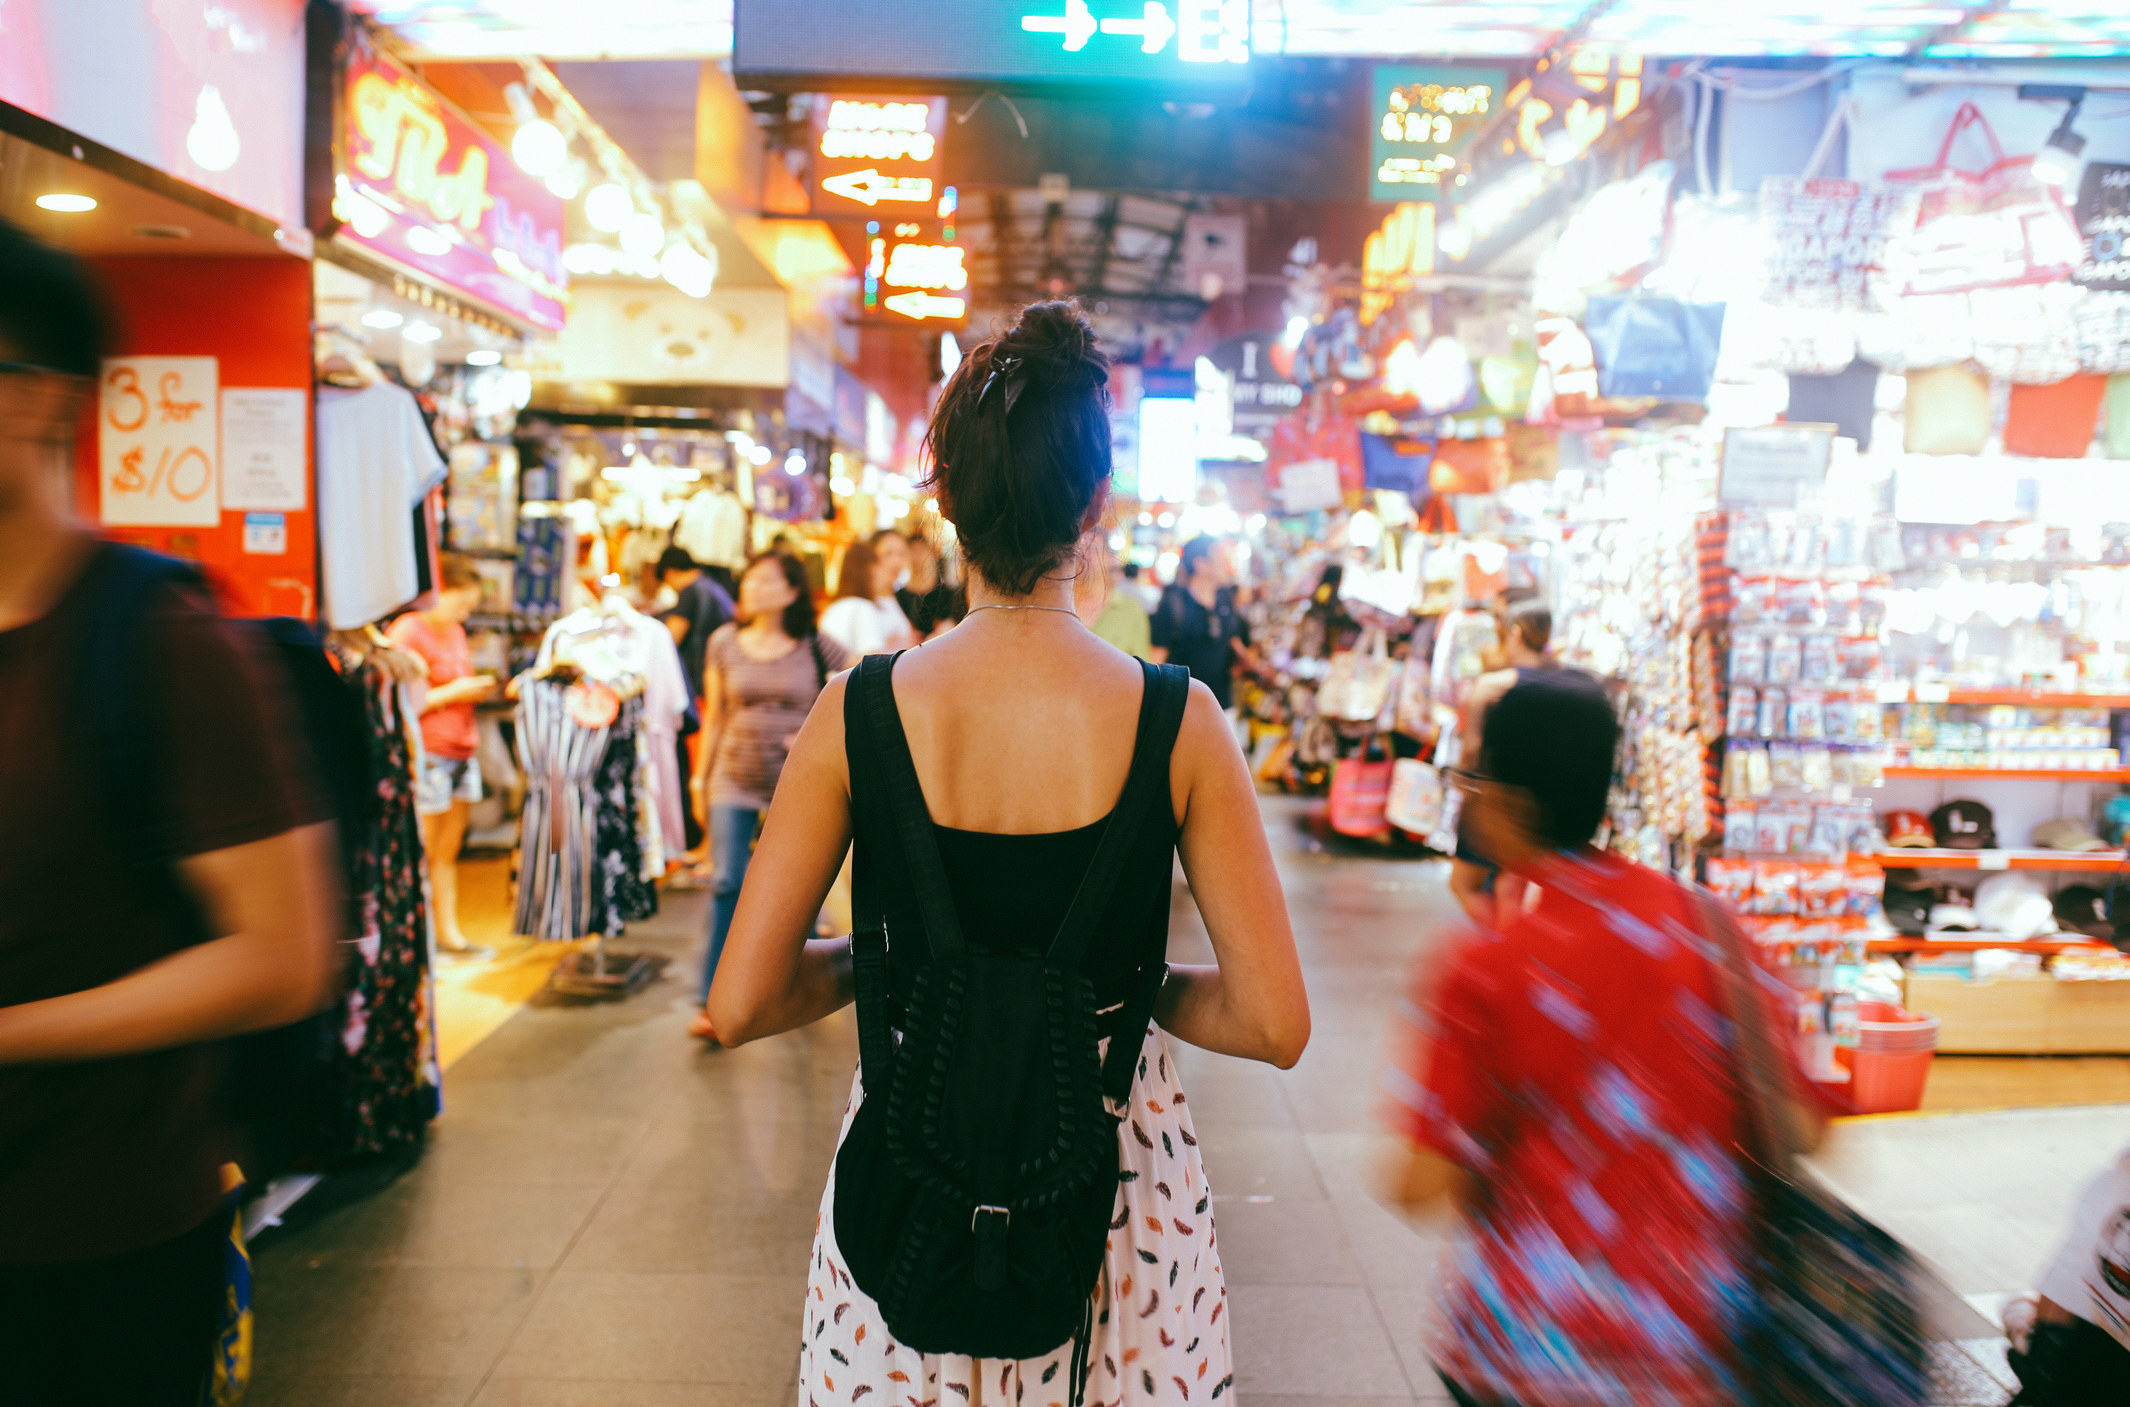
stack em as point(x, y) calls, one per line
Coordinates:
point(877, 156)
point(265, 436)
point(2103, 216)
point(1400, 251)
point(652, 334)
point(912, 274)
point(157, 447)
point(1263, 397)
point(1425, 118)
point(826, 44)
point(425, 188)
point(1767, 466)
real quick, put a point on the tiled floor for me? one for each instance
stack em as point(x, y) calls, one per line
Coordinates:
point(608, 1216)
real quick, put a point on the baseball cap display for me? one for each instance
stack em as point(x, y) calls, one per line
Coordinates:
point(2014, 905)
point(1952, 918)
point(2067, 833)
point(1964, 825)
point(1909, 828)
point(1907, 901)
point(2081, 908)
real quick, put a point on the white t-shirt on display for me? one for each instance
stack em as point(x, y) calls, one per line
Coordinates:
point(713, 529)
point(376, 462)
point(866, 627)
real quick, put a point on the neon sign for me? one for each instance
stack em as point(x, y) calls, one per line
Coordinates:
point(869, 152)
point(1425, 119)
point(1206, 31)
point(425, 188)
point(1391, 258)
point(925, 266)
point(878, 131)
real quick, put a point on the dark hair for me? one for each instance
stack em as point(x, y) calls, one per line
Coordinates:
point(676, 559)
point(1131, 571)
point(1534, 622)
point(1194, 552)
point(1555, 736)
point(855, 576)
point(1019, 444)
point(457, 573)
point(53, 313)
point(799, 615)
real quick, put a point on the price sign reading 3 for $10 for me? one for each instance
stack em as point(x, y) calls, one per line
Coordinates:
point(158, 442)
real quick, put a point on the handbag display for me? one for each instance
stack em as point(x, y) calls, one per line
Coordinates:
point(1833, 1317)
point(1827, 236)
point(1655, 347)
point(1947, 412)
point(1847, 400)
point(2103, 332)
point(2115, 409)
point(2029, 334)
point(1359, 682)
point(1360, 794)
point(1991, 228)
point(2054, 421)
point(1415, 802)
point(1762, 337)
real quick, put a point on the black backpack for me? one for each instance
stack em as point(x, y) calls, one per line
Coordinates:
point(974, 1188)
point(276, 1078)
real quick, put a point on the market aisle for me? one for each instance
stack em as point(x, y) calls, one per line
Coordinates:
point(607, 1216)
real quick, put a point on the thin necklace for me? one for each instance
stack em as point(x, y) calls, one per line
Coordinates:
point(1061, 610)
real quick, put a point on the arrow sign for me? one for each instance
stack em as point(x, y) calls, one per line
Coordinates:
point(869, 187)
point(1154, 31)
point(1077, 24)
point(919, 306)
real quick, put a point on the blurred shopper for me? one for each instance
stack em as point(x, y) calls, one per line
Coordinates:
point(1014, 735)
point(762, 677)
point(865, 618)
point(1197, 625)
point(120, 970)
point(701, 607)
point(450, 780)
point(1142, 585)
point(2071, 1343)
point(1568, 1084)
point(928, 602)
point(1109, 607)
point(1525, 632)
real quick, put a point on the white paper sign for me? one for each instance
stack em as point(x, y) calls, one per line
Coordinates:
point(263, 460)
point(158, 454)
point(1764, 466)
point(266, 534)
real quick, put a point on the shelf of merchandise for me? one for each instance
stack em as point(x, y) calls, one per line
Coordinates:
point(2014, 774)
point(1975, 942)
point(2035, 698)
point(2061, 861)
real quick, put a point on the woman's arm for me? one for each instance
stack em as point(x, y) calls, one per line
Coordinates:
point(471, 688)
point(774, 976)
point(1252, 1003)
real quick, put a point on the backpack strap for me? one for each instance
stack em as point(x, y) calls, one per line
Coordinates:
point(1160, 716)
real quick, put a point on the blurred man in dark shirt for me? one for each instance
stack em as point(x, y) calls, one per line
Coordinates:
point(702, 606)
point(113, 993)
point(1197, 625)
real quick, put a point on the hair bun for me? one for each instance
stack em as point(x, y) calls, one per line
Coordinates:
point(1055, 341)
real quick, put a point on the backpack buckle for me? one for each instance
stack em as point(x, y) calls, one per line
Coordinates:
point(988, 1225)
point(1006, 1212)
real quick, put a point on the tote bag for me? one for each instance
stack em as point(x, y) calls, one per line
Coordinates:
point(1655, 347)
point(2054, 421)
point(1415, 803)
point(1988, 228)
point(2115, 437)
point(1359, 682)
point(1360, 794)
point(1827, 236)
point(2027, 334)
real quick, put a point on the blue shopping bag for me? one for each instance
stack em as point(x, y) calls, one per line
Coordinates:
point(1654, 347)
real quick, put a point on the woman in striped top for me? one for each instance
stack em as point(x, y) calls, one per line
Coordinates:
point(760, 678)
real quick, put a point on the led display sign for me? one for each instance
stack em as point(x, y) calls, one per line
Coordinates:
point(828, 44)
point(915, 273)
point(877, 156)
point(1425, 117)
point(425, 188)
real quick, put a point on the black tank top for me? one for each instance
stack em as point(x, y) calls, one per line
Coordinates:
point(1011, 891)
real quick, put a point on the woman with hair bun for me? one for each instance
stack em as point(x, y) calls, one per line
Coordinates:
point(992, 764)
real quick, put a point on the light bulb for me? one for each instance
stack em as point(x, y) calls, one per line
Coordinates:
point(382, 318)
point(66, 203)
point(421, 332)
point(607, 207)
point(539, 147)
point(566, 181)
point(422, 239)
point(483, 356)
point(1560, 147)
point(642, 236)
point(2057, 162)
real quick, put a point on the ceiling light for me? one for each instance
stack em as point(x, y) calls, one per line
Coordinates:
point(759, 454)
point(687, 270)
point(421, 332)
point(795, 464)
point(483, 356)
point(424, 239)
point(2057, 161)
point(567, 180)
point(381, 317)
point(1560, 147)
point(65, 203)
point(607, 207)
point(539, 147)
point(642, 236)
point(212, 143)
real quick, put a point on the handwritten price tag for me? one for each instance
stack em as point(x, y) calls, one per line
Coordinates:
point(159, 442)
